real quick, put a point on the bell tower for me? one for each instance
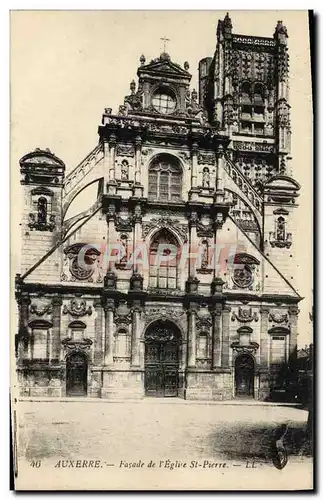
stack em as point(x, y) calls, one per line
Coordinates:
point(42, 176)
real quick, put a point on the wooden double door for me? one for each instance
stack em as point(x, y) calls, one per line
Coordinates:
point(244, 376)
point(161, 368)
point(76, 375)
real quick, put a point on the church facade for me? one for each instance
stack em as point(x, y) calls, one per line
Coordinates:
point(178, 281)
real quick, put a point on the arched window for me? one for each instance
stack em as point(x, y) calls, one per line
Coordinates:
point(259, 94)
point(245, 93)
point(165, 179)
point(163, 256)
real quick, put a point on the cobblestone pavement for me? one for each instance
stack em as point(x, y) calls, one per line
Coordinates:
point(127, 432)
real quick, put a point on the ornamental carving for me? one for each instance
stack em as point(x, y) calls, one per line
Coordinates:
point(205, 230)
point(77, 308)
point(42, 311)
point(41, 224)
point(254, 146)
point(161, 334)
point(125, 150)
point(244, 315)
point(77, 345)
point(123, 224)
point(162, 314)
point(243, 278)
point(164, 222)
point(278, 318)
point(204, 323)
point(82, 265)
point(251, 348)
point(206, 159)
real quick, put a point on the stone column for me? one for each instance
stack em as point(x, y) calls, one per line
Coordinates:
point(225, 348)
point(293, 313)
point(135, 341)
point(191, 353)
point(108, 332)
point(137, 224)
point(138, 144)
point(98, 329)
point(23, 338)
point(111, 237)
point(193, 246)
point(264, 337)
point(194, 171)
point(56, 329)
point(219, 175)
point(106, 161)
point(217, 335)
point(112, 147)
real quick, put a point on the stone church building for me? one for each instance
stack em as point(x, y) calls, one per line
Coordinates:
point(178, 281)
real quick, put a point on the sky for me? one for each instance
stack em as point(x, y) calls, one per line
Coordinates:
point(67, 66)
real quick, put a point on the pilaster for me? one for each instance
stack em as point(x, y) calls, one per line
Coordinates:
point(264, 337)
point(225, 348)
point(109, 308)
point(56, 329)
point(98, 328)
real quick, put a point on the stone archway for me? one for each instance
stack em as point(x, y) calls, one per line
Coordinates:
point(162, 353)
point(76, 374)
point(244, 371)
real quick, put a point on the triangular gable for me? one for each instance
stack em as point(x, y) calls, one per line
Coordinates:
point(164, 66)
point(271, 280)
point(48, 269)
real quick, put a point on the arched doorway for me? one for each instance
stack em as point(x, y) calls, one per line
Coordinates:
point(76, 374)
point(244, 376)
point(162, 343)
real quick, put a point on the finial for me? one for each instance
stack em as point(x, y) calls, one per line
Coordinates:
point(142, 60)
point(165, 40)
point(227, 21)
point(132, 86)
point(280, 29)
point(186, 66)
point(164, 57)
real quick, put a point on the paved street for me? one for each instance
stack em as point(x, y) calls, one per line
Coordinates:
point(121, 433)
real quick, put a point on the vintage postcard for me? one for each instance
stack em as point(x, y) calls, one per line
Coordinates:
point(161, 250)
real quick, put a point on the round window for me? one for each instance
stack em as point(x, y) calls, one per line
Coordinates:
point(164, 102)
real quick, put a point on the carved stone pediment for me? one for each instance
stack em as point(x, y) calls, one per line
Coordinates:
point(250, 348)
point(164, 223)
point(162, 314)
point(77, 345)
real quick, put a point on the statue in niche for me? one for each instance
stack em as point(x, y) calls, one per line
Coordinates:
point(281, 229)
point(206, 178)
point(205, 254)
point(42, 210)
point(124, 170)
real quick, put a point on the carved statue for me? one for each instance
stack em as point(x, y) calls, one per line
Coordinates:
point(206, 178)
point(281, 229)
point(124, 170)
